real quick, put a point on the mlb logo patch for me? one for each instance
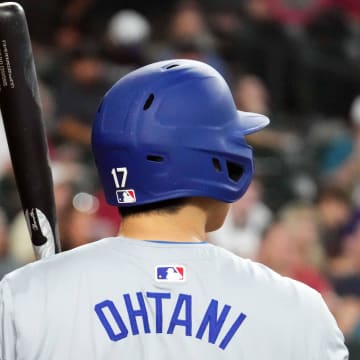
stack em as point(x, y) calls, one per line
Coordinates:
point(126, 196)
point(170, 273)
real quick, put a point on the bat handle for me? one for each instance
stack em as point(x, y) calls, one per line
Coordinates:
point(38, 223)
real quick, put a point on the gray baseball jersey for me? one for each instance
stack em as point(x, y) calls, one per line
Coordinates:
point(127, 299)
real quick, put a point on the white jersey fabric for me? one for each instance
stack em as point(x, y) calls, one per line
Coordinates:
point(128, 299)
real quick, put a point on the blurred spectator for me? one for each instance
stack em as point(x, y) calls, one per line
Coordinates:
point(263, 47)
point(278, 250)
point(297, 12)
point(347, 171)
point(42, 18)
point(251, 95)
point(190, 38)
point(351, 7)
point(68, 38)
point(277, 149)
point(333, 208)
point(7, 262)
point(329, 142)
point(345, 267)
point(347, 315)
point(127, 36)
point(75, 11)
point(79, 225)
point(50, 60)
point(336, 152)
point(327, 68)
point(328, 31)
point(66, 176)
point(344, 270)
point(79, 96)
point(189, 22)
point(290, 246)
point(301, 219)
point(245, 223)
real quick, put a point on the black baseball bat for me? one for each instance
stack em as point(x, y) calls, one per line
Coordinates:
point(25, 132)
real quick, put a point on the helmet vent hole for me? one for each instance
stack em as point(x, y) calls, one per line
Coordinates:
point(235, 171)
point(171, 66)
point(216, 164)
point(155, 158)
point(149, 101)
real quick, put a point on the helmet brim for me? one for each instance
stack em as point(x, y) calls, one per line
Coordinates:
point(252, 122)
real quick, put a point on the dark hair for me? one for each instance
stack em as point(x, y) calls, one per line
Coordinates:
point(171, 206)
point(334, 192)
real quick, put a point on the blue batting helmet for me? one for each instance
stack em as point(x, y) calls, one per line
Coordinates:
point(170, 130)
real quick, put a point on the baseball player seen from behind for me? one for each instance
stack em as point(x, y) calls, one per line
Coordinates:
point(171, 152)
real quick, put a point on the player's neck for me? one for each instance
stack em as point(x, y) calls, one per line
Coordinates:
point(187, 225)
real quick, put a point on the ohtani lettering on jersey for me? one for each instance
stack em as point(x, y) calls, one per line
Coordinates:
point(214, 319)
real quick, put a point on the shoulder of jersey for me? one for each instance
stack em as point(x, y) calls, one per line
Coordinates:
point(61, 263)
point(267, 281)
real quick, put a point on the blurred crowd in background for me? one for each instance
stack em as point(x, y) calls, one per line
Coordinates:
point(297, 61)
